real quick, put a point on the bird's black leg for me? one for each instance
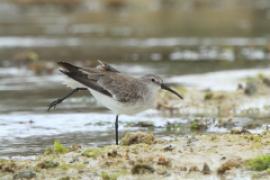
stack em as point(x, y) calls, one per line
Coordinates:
point(60, 100)
point(116, 130)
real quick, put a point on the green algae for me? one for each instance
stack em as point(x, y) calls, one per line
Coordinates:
point(66, 166)
point(47, 164)
point(106, 176)
point(208, 95)
point(196, 125)
point(259, 163)
point(57, 148)
point(92, 152)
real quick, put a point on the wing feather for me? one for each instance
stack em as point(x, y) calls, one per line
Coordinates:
point(106, 80)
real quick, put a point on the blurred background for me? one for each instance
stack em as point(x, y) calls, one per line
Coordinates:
point(202, 44)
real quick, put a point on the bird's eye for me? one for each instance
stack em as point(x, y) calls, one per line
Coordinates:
point(153, 80)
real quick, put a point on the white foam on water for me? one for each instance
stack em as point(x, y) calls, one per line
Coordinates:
point(21, 125)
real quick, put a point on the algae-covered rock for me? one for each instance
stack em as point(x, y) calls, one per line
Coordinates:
point(65, 178)
point(112, 153)
point(47, 164)
point(251, 88)
point(239, 130)
point(169, 148)
point(92, 152)
point(137, 138)
point(206, 169)
point(178, 158)
point(8, 166)
point(107, 176)
point(228, 165)
point(142, 169)
point(143, 124)
point(164, 161)
point(193, 169)
point(197, 125)
point(75, 147)
point(266, 81)
point(25, 175)
point(259, 163)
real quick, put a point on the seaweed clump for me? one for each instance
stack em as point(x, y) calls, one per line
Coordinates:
point(259, 163)
point(57, 148)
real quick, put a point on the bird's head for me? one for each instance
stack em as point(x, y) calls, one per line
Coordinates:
point(156, 82)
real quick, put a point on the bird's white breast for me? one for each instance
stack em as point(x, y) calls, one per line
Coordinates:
point(123, 108)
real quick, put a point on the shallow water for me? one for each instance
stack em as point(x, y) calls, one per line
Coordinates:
point(25, 122)
point(174, 44)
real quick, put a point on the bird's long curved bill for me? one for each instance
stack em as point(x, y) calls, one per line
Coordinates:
point(165, 87)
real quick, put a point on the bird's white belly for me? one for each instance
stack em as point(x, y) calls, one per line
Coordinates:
point(122, 108)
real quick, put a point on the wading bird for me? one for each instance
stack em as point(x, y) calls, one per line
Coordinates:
point(121, 93)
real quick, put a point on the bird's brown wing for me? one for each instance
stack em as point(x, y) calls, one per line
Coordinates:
point(87, 77)
point(106, 80)
point(124, 88)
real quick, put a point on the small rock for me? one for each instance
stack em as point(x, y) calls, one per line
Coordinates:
point(144, 124)
point(183, 168)
point(163, 161)
point(162, 171)
point(197, 125)
point(168, 148)
point(25, 175)
point(137, 138)
point(250, 88)
point(7, 166)
point(47, 164)
point(112, 153)
point(92, 152)
point(223, 158)
point(228, 165)
point(65, 178)
point(206, 169)
point(75, 147)
point(142, 169)
point(208, 95)
point(240, 86)
point(74, 159)
point(239, 130)
point(266, 81)
point(193, 168)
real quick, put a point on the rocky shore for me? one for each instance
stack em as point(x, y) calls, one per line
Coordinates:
point(143, 156)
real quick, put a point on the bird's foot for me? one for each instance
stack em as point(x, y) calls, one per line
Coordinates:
point(54, 104)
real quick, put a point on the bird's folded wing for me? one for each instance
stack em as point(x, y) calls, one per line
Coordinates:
point(122, 88)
